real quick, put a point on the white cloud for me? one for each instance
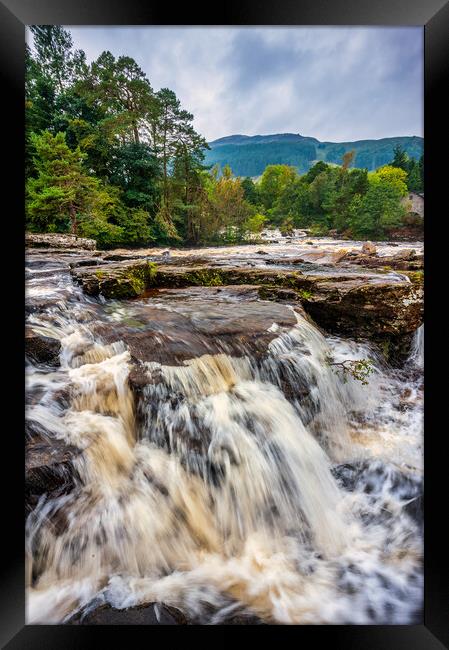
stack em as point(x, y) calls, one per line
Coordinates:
point(329, 82)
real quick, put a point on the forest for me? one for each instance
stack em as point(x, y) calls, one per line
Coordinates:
point(112, 159)
point(249, 155)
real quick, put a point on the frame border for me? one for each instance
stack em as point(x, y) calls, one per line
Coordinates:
point(433, 15)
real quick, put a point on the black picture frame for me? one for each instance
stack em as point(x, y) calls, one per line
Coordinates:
point(433, 15)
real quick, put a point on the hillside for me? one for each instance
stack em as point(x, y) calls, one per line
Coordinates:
point(249, 155)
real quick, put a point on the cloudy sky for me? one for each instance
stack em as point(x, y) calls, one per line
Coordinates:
point(332, 83)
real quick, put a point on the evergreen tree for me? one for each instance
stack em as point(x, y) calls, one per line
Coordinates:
point(400, 159)
point(136, 170)
point(61, 189)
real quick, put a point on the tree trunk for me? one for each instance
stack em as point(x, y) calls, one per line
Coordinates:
point(136, 133)
point(73, 223)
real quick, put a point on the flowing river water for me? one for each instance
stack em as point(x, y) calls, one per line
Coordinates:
point(245, 474)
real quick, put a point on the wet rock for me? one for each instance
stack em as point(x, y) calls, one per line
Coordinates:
point(402, 261)
point(244, 619)
point(406, 255)
point(127, 280)
point(48, 468)
point(154, 614)
point(339, 255)
point(415, 509)
point(365, 308)
point(58, 241)
point(239, 326)
point(122, 257)
point(87, 261)
point(278, 294)
point(369, 248)
point(42, 349)
point(360, 305)
point(146, 614)
point(119, 280)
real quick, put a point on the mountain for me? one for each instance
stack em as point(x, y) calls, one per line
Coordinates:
point(249, 155)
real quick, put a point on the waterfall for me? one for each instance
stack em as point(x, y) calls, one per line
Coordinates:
point(224, 482)
point(417, 351)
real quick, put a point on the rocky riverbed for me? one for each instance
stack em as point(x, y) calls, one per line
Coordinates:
point(196, 452)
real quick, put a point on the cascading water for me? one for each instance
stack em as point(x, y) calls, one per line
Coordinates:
point(233, 481)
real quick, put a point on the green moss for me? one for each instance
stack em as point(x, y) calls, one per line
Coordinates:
point(416, 277)
point(127, 283)
point(151, 272)
point(204, 278)
point(304, 294)
point(385, 347)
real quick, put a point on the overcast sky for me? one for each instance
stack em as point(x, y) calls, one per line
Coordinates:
point(332, 83)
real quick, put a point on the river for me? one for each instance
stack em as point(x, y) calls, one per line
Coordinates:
point(237, 471)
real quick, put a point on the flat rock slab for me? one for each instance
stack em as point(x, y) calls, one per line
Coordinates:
point(176, 325)
point(372, 308)
point(58, 241)
point(361, 305)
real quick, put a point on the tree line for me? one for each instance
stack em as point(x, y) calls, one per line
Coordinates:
point(352, 201)
point(110, 158)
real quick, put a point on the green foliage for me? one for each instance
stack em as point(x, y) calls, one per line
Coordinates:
point(295, 203)
point(413, 168)
point(318, 230)
point(273, 182)
point(61, 190)
point(380, 208)
point(250, 191)
point(359, 369)
point(109, 158)
point(228, 214)
point(287, 226)
point(136, 170)
point(255, 224)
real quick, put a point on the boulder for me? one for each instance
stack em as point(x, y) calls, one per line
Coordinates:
point(369, 248)
point(42, 349)
point(405, 255)
point(130, 279)
point(339, 255)
point(372, 309)
point(49, 468)
point(398, 262)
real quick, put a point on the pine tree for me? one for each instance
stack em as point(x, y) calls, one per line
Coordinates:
point(62, 189)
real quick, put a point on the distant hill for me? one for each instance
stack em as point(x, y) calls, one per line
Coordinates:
point(249, 155)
